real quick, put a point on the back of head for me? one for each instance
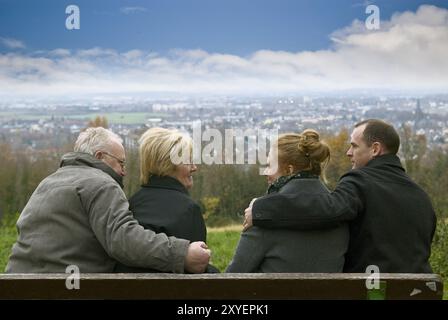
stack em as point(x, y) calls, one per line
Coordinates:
point(304, 151)
point(94, 139)
point(158, 148)
point(380, 131)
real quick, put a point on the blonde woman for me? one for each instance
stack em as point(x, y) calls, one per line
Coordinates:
point(163, 203)
point(301, 159)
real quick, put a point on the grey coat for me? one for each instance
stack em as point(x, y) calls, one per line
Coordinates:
point(80, 216)
point(281, 250)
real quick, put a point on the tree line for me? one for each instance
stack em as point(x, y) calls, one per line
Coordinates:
point(223, 191)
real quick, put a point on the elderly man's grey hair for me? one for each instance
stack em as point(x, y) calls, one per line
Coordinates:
point(95, 139)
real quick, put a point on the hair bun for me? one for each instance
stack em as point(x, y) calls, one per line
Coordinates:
point(310, 135)
point(304, 151)
point(308, 141)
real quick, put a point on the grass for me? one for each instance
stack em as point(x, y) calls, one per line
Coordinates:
point(222, 241)
point(445, 290)
point(8, 235)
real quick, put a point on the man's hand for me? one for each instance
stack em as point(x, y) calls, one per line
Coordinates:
point(248, 216)
point(197, 257)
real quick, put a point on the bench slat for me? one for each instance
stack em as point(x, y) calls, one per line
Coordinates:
point(218, 286)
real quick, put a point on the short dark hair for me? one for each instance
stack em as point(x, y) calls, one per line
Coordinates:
point(380, 131)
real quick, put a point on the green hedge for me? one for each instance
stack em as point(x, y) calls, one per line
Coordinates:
point(439, 254)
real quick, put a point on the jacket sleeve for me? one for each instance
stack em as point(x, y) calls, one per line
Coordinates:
point(199, 230)
point(249, 253)
point(311, 210)
point(125, 240)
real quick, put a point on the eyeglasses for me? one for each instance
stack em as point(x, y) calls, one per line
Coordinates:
point(121, 162)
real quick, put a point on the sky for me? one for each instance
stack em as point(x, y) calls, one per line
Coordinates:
point(221, 47)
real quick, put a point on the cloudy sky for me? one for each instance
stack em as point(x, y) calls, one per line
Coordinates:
point(221, 47)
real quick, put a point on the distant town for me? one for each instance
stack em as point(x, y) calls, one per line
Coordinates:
point(27, 125)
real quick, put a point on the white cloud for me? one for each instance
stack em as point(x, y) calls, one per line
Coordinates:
point(131, 10)
point(60, 52)
point(408, 53)
point(12, 43)
point(96, 52)
point(133, 54)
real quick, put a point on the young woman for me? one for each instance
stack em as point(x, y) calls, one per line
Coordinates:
point(296, 162)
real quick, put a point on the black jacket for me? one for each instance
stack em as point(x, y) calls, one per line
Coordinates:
point(282, 250)
point(165, 206)
point(392, 221)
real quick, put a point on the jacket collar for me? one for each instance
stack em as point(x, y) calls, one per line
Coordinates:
point(85, 159)
point(386, 159)
point(280, 182)
point(165, 182)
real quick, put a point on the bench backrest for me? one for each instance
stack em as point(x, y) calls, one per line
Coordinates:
point(221, 286)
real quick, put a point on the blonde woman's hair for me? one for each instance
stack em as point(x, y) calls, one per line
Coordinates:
point(304, 151)
point(158, 148)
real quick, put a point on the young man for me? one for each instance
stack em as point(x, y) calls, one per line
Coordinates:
point(392, 221)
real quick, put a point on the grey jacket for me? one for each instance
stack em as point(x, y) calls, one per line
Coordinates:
point(80, 216)
point(281, 250)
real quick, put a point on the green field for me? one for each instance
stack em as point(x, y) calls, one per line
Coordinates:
point(222, 242)
point(120, 118)
point(8, 115)
point(112, 117)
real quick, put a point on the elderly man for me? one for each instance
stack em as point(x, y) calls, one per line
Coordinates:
point(80, 216)
point(392, 221)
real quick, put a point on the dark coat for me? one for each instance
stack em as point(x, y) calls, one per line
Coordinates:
point(392, 221)
point(282, 250)
point(164, 206)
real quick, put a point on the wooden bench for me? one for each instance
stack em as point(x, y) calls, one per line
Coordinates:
point(221, 286)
